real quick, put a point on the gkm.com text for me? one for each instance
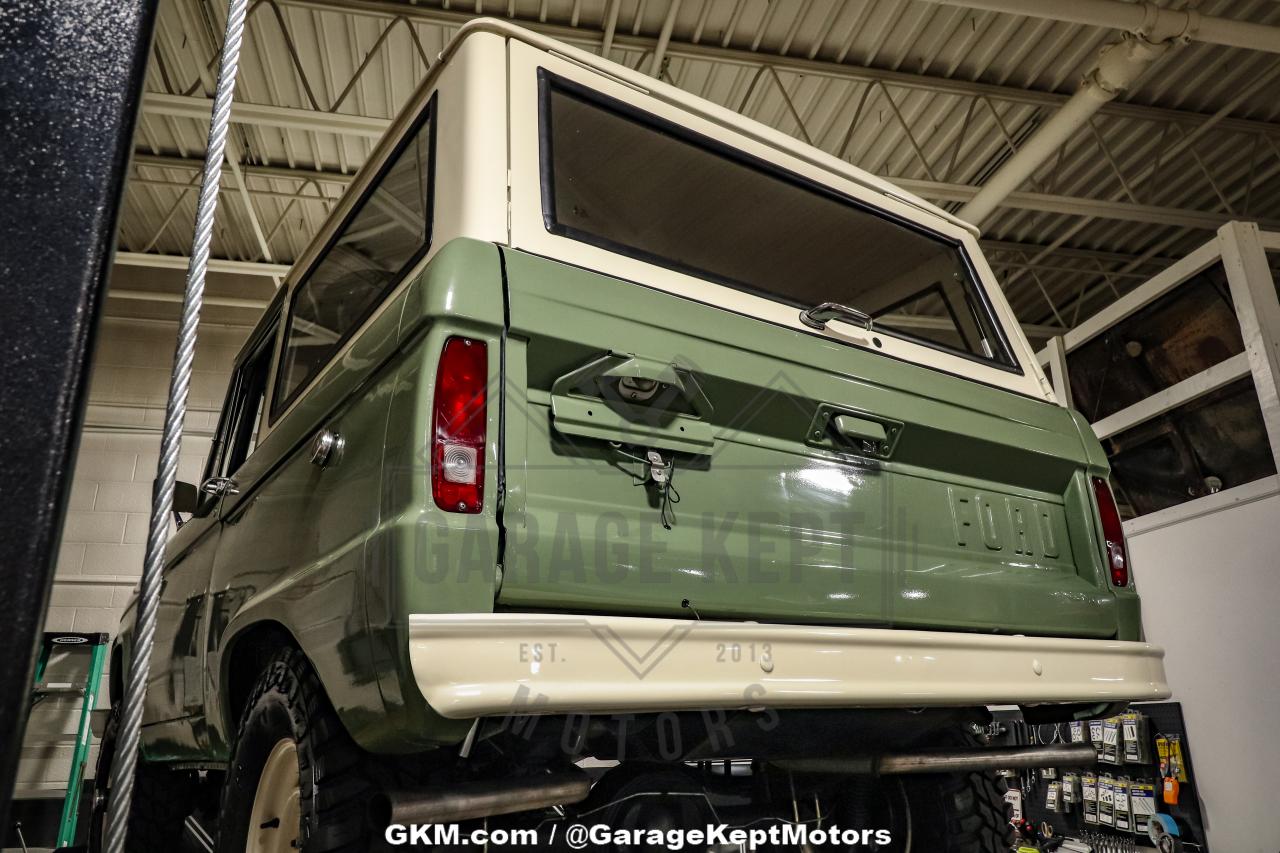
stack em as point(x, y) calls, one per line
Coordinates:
point(579, 836)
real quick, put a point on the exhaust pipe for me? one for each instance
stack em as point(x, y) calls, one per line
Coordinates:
point(492, 797)
point(950, 760)
point(486, 798)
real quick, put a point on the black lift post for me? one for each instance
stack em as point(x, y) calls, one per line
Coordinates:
point(71, 79)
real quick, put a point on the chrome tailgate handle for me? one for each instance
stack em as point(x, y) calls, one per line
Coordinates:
point(859, 429)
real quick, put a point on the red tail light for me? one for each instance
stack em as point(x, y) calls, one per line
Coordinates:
point(1112, 533)
point(458, 426)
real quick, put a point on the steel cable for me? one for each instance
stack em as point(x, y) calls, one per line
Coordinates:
point(124, 762)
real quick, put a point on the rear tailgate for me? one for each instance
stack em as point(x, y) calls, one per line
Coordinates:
point(972, 513)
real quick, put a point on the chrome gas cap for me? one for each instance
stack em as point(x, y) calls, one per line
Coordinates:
point(327, 448)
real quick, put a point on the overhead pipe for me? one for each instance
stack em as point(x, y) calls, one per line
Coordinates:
point(1152, 22)
point(218, 265)
point(1117, 67)
point(610, 27)
point(167, 296)
point(664, 39)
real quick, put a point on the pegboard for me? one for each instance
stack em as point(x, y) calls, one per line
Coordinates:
point(1165, 718)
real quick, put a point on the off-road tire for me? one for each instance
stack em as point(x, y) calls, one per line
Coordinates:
point(162, 799)
point(614, 803)
point(959, 813)
point(334, 781)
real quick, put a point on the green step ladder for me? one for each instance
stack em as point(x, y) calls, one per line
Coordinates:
point(97, 644)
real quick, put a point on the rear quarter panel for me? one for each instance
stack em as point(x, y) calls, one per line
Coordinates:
point(293, 545)
point(301, 538)
point(421, 558)
point(340, 556)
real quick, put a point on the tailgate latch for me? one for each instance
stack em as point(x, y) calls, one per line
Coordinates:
point(658, 468)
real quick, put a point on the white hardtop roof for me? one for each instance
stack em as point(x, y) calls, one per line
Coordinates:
point(707, 110)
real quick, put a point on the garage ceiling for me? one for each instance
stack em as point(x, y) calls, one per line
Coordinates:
point(932, 97)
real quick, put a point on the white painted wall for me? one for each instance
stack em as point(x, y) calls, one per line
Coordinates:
point(106, 526)
point(1209, 575)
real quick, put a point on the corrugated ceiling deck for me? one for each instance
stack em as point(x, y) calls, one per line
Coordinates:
point(889, 64)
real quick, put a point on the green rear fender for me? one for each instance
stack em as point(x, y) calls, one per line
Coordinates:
point(346, 606)
point(422, 559)
point(1128, 605)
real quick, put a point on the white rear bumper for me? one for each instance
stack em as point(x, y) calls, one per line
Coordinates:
point(470, 665)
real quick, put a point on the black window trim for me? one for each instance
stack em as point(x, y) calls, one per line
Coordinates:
point(262, 338)
point(279, 404)
point(549, 80)
point(260, 358)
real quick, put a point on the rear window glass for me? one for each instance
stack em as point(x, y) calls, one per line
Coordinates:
point(635, 184)
point(387, 232)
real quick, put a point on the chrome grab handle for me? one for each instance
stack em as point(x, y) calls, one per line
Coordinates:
point(819, 316)
point(219, 486)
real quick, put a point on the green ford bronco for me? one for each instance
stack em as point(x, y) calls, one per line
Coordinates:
point(610, 457)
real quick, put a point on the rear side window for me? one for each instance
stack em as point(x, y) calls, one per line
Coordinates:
point(386, 233)
point(242, 411)
point(245, 414)
point(632, 183)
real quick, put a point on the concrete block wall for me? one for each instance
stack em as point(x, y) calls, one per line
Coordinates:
point(105, 533)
